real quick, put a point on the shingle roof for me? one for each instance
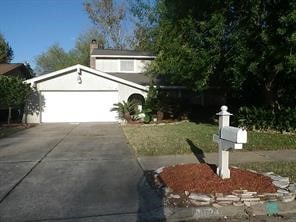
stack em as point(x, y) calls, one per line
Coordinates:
point(117, 52)
point(6, 67)
point(138, 78)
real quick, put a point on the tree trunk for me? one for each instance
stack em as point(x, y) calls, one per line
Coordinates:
point(127, 117)
point(9, 115)
point(268, 95)
point(160, 115)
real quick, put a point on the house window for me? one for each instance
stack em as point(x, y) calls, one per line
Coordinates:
point(127, 65)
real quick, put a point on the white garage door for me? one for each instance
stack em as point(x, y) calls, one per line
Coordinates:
point(78, 106)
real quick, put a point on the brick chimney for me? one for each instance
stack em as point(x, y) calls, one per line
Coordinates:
point(92, 60)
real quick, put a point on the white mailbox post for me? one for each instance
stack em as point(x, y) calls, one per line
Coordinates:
point(228, 138)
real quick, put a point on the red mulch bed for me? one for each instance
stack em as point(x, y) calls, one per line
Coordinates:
point(201, 178)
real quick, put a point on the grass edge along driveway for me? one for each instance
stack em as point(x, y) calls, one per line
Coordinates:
point(7, 131)
point(184, 137)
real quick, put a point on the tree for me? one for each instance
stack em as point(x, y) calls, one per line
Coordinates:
point(30, 70)
point(265, 32)
point(109, 17)
point(240, 47)
point(56, 58)
point(81, 51)
point(6, 52)
point(13, 92)
point(145, 18)
point(187, 42)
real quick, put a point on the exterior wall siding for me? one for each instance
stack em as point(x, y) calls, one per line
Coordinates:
point(126, 91)
point(113, 65)
point(69, 82)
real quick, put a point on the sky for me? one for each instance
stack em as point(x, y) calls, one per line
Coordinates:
point(32, 26)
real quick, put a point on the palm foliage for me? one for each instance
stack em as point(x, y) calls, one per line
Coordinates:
point(126, 110)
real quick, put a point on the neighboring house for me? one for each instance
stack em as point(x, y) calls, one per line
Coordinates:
point(14, 69)
point(82, 94)
point(17, 70)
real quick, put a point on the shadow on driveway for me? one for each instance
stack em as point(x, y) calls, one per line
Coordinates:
point(151, 206)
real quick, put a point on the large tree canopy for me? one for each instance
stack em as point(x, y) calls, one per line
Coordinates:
point(264, 40)
point(187, 43)
point(109, 17)
point(145, 18)
point(81, 51)
point(6, 53)
point(237, 46)
point(124, 24)
point(56, 58)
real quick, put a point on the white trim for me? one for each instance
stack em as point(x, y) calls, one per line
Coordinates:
point(81, 67)
point(124, 56)
point(52, 74)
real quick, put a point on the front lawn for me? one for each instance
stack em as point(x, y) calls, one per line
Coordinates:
point(283, 168)
point(188, 137)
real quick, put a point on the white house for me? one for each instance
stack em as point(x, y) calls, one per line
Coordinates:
point(86, 94)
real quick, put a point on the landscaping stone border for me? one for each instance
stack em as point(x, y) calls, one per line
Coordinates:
point(164, 123)
point(286, 193)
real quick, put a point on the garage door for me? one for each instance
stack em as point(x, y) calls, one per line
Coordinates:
point(78, 106)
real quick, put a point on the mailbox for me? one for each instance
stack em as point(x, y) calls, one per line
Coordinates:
point(228, 138)
point(233, 134)
point(226, 144)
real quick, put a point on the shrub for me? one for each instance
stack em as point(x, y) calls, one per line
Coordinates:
point(259, 118)
point(126, 110)
point(165, 102)
point(286, 119)
point(148, 114)
point(13, 93)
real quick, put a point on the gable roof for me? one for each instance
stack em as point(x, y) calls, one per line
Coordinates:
point(7, 67)
point(15, 69)
point(79, 67)
point(121, 53)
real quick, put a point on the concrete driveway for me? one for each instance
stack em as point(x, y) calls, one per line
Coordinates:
point(73, 172)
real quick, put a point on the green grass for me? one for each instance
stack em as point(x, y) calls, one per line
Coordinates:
point(6, 131)
point(182, 138)
point(270, 141)
point(283, 168)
